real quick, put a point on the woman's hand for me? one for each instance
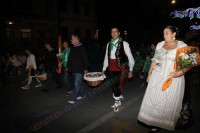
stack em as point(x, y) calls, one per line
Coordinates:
point(178, 74)
point(153, 64)
point(148, 78)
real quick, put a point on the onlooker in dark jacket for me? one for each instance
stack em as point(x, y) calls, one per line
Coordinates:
point(51, 64)
point(78, 65)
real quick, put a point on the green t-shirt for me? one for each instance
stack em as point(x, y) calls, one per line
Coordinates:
point(65, 55)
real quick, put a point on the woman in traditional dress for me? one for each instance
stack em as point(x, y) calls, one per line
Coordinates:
point(161, 109)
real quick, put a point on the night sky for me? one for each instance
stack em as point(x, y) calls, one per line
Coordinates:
point(141, 18)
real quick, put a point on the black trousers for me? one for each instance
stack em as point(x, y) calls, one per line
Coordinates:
point(51, 77)
point(118, 77)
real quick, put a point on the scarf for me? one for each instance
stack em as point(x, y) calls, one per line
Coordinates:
point(114, 44)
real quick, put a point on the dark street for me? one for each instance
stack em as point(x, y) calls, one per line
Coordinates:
point(24, 111)
point(67, 66)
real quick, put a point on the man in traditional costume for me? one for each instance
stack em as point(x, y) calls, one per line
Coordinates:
point(117, 54)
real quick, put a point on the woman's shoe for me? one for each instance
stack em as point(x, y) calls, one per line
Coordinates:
point(154, 130)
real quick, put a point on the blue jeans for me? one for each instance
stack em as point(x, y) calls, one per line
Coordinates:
point(78, 86)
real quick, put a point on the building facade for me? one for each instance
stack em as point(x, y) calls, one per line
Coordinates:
point(31, 22)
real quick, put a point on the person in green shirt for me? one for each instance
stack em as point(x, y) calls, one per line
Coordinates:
point(146, 67)
point(65, 55)
point(138, 62)
point(152, 50)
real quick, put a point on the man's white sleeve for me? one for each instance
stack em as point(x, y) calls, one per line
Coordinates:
point(105, 63)
point(131, 60)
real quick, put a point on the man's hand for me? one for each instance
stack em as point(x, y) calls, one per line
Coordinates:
point(103, 72)
point(85, 71)
point(130, 75)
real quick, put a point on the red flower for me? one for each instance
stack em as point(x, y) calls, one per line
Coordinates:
point(179, 64)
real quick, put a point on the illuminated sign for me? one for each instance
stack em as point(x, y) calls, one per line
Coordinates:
point(195, 27)
point(190, 12)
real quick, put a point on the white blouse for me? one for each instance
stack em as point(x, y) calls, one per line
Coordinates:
point(15, 61)
point(165, 58)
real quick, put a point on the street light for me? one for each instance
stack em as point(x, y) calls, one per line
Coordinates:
point(10, 22)
point(125, 34)
point(173, 1)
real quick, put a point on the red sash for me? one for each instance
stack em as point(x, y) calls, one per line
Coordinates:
point(113, 65)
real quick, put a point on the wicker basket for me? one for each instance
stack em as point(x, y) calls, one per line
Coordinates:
point(42, 77)
point(94, 83)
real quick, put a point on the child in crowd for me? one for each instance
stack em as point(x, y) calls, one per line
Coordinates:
point(145, 70)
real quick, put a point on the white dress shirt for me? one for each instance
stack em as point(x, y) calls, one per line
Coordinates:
point(15, 61)
point(127, 51)
point(31, 61)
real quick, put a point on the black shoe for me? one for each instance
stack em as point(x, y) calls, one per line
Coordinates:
point(154, 130)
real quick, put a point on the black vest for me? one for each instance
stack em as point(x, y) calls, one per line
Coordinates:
point(120, 55)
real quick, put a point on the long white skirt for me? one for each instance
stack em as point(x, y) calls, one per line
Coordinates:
point(162, 108)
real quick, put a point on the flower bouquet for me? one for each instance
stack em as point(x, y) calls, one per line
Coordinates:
point(186, 57)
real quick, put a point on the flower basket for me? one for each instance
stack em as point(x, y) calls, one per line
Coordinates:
point(94, 83)
point(42, 77)
point(94, 78)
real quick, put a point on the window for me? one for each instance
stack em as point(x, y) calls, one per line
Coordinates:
point(25, 37)
point(10, 36)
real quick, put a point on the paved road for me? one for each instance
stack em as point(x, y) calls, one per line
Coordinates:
point(26, 111)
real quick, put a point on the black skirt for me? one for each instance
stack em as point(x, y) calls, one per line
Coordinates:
point(32, 72)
